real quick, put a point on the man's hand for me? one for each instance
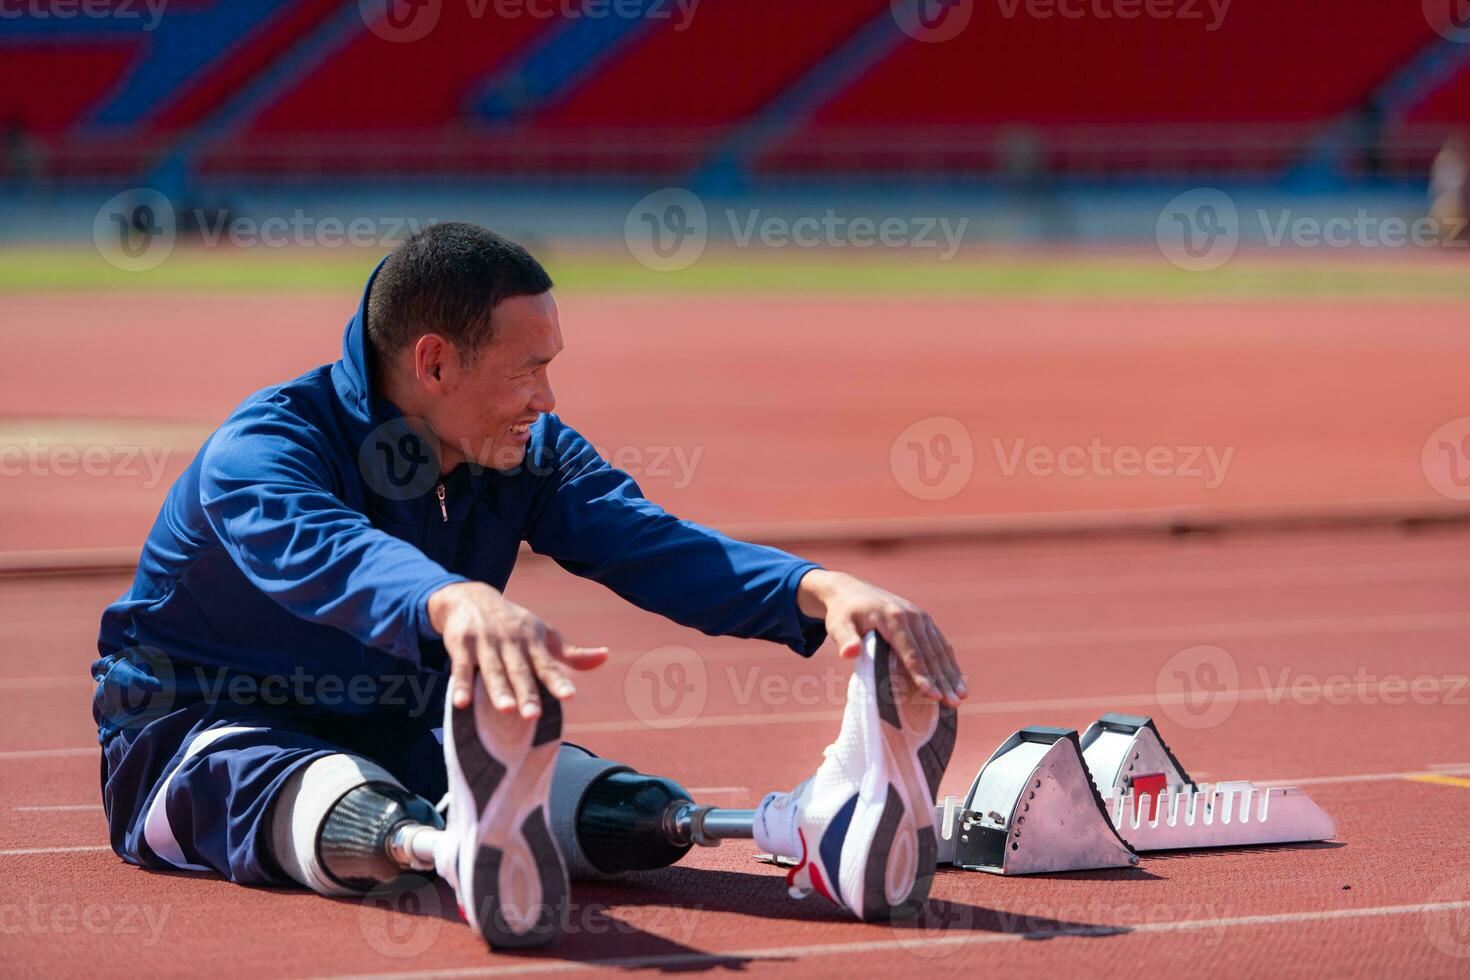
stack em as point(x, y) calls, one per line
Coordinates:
point(852, 607)
point(507, 644)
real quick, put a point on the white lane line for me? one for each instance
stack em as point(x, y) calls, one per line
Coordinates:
point(925, 939)
point(60, 808)
point(80, 849)
point(709, 790)
point(93, 751)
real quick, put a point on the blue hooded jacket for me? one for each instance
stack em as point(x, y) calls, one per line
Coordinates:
point(303, 541)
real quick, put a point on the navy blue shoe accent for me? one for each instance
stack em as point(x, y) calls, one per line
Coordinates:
point(830, 847)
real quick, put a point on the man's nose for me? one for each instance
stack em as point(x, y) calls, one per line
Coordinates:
point(545, 400)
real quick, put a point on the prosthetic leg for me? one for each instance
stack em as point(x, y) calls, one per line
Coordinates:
point(606, 817)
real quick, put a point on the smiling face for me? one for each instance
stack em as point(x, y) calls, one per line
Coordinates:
point(480, 408)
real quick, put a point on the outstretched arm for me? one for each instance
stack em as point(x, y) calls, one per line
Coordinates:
point(852, 607)
point(594, 521)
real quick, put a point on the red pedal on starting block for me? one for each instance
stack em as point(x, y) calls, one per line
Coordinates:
point(1149, 784)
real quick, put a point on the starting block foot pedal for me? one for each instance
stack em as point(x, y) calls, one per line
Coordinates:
point(1156, 806)
point(1120, 749)
point(1032, 810)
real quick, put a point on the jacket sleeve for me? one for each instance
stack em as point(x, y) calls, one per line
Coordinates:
point(267, 492)
point(595, 522)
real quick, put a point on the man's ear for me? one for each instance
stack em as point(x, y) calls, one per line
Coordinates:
point(432, 355)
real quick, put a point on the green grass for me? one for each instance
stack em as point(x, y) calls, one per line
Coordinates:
point(1138, 274)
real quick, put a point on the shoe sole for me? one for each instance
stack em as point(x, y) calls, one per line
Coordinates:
point(517, 880)
point(917, 738)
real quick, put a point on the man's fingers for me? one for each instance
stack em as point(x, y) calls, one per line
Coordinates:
point(461, 672)
point(522, 677)
point(583, 658)
point(918, 627)
point(849, 641)
point(940, 690)
point(910, 656)
point(932, 657)
point(575, 657)
point(492, 675)
point(548, 668)
point(951, 664)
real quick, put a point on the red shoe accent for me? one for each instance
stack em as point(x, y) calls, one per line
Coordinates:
point(817, 884)
point(791, 875)
point(813, 873)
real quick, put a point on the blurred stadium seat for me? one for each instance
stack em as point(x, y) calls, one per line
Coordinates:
point(306, 88)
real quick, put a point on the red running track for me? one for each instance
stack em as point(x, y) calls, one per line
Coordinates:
point(775, 408)
point(1051, 633)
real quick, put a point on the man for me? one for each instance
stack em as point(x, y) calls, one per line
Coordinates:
point(268, 698)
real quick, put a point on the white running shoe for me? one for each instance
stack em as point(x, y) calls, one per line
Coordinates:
point(497, 850)
point(862, 828)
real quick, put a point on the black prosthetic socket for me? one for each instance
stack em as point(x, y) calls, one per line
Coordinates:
point(352, 845)
point(620, 824)
point(607, 818)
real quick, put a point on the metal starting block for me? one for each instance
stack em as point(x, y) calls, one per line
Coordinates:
point(1156, 806)
point(1047, 801)
point(1031, 810)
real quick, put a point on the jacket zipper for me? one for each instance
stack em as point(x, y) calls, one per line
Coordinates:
point(443, 507)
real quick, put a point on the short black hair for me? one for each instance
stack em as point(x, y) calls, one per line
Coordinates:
point(448, 279)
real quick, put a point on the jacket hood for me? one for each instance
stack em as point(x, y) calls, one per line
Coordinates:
point(352, 375)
